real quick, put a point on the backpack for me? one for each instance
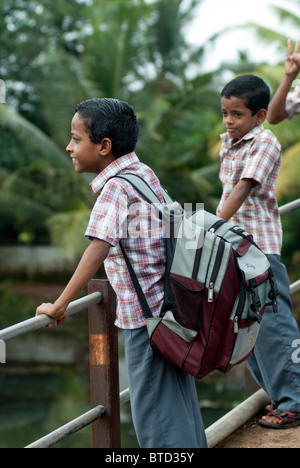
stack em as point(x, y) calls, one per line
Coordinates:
point(216, 288)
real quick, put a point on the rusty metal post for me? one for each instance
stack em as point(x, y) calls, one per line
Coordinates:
point(104, 366)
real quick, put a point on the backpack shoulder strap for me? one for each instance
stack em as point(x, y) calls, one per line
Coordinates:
point(145, 190)
point(149, 195)
point(141, 296)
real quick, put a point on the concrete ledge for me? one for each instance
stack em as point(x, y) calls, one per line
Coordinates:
point(233, 420)
point(34, 260)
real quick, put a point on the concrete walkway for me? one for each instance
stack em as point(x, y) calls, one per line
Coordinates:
point(252, 435)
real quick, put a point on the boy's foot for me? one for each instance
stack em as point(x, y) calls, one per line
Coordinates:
point(279, 419)
point(269, 408)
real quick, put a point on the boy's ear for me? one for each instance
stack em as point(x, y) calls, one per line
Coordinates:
point(105, 147)
point(261, 116)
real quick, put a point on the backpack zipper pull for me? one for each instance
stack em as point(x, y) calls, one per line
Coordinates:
point(211, 292)
point(236, 324)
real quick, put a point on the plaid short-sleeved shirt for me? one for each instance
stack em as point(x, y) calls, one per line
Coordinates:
point(120, 213)
point(256, 156)
point(292, 106)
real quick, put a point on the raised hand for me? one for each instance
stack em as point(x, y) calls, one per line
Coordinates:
point(292, 63)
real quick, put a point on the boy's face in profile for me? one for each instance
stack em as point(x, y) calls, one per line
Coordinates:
point(87, 156)
point(237, 118)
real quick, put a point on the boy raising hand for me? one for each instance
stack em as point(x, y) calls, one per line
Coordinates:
point(250, 162)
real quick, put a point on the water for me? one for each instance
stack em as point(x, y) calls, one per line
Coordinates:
point(34, 405)
point(45, 384)
point(34, 402)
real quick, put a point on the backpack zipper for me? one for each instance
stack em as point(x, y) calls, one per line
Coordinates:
point(216, 226)
point(240, 308)
point(236, 324)
point(217, 266)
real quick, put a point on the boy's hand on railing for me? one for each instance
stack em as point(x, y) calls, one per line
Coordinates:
point(53, 311)
point(89, 264)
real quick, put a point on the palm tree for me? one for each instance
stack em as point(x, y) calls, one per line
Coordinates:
point(133, 50)
point(36, 180)
point(114, 45)
point(31, 137)
point(176, 111)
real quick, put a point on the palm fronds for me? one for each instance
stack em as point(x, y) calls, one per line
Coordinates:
point(67, 231)
point(31, 137)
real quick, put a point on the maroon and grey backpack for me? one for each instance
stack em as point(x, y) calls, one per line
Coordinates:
point(217, 283)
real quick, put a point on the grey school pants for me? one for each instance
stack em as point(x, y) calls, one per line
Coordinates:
point(273, 363)
point(164, 402)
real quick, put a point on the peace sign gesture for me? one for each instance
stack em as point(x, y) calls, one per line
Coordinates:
point(277, 109)
point(292, 63)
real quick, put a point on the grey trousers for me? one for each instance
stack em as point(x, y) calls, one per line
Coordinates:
point(273, 364)
point(164, 402)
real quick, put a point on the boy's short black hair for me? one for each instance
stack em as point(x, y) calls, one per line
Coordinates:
point(255, 92)
point(113, 119)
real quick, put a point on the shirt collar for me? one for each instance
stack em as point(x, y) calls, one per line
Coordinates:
point(112, 170)
point(249, 136)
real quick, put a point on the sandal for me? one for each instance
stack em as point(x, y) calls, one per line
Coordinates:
point(288, 419)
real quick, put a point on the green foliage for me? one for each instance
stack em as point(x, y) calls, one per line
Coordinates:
point(55, 54)
point(35, 180)
point(68, 228)
point(13, 308)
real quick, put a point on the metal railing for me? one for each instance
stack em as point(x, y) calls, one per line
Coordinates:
point(285, 209)
point(41, 321)
point(104, 373)
point(104, 376)
point(289, 207)
point(69, 429)
point(76, 425)
point(295, 287)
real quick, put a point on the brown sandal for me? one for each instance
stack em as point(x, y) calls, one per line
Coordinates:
point(287, 419)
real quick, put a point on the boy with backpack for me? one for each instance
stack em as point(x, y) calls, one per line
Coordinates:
point(164, 401)
point(250, 162)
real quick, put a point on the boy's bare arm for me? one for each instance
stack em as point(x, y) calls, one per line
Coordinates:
point(277, 112)
point(237, 198)
point(88, 266)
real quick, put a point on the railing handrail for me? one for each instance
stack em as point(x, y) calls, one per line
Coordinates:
point(76, 425)
point(295, 287)
point(285, 209)
point(289, 207)
point(69, 429)
point(41, 321)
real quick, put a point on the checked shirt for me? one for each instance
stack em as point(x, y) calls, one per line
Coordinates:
point(293, 102)
point(256, 156)
point(121, 214)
